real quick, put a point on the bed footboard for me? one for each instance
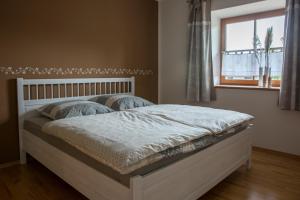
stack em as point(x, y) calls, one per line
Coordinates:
point(187, 179)
point(191, 177)
point(88, 181)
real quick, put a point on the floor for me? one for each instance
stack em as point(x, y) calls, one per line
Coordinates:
point(274, 176)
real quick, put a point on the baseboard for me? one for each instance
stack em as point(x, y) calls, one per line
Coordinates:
point(294, 156)
point(9, 164)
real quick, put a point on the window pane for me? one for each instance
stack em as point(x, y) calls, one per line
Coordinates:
point(239, 35)
point(278, 29)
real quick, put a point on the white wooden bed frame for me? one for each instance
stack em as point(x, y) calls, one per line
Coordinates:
point(187, 179)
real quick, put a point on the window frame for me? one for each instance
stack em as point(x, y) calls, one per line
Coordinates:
point(242, 18)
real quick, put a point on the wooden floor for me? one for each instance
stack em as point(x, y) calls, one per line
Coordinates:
point(274, 176)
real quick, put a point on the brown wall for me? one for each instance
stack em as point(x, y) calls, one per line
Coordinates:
point(73, 33)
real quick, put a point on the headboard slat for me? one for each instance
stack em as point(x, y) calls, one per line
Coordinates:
point(44, 90)
point(58, 90)
point(78, 90)
point(29, 92)
point(52, 91)
point(109, 87)
point(72, 90)
point(84, 89)
point(37, 91)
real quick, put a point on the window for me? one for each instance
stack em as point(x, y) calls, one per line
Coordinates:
point(238, 62)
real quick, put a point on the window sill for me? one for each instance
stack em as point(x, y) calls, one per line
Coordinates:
point(247, 87)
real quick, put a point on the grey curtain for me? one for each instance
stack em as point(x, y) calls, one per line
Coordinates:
point(290, 86)
point(200, 86)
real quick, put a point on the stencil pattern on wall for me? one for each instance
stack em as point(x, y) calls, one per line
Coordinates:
point(75, 71)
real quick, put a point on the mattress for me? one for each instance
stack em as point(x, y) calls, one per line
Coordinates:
point(131, 139)
point(171, 155)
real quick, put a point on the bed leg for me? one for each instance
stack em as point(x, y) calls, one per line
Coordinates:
point(249, 161)
point(248, 164)
point(136, 188)
point(23, 158)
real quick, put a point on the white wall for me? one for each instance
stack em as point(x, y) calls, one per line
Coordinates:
point(274, 129)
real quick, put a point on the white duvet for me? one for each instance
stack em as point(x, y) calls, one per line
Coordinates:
point(215, 120)
point(128, 140)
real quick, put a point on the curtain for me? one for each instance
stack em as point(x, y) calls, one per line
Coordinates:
point(245, 64)
point(290, 86)
point(200, 87)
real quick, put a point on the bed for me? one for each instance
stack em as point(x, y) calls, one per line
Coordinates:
point(185, 176)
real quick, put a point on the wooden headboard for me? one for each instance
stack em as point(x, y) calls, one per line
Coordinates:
point(33, 93)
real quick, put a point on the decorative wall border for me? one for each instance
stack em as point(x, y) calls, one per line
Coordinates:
point(75, 71)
